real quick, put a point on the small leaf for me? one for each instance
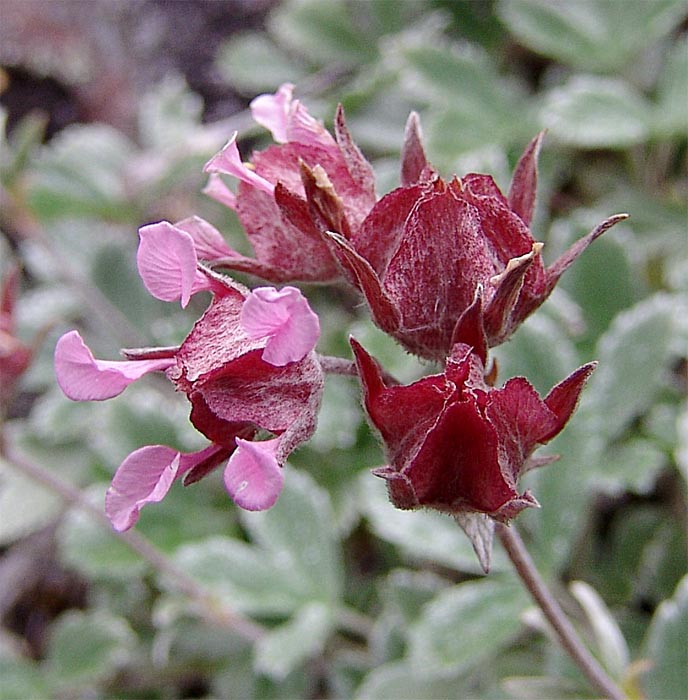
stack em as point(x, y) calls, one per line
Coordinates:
point(88, 647)
point(610, 640)
point(286, 647)
point(666, 648)
point(592, 112)
point(466, 625)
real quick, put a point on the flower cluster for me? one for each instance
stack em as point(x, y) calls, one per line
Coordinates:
point(247, 366)
point(448, 268)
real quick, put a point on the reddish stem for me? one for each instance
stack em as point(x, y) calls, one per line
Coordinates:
point(568, 637)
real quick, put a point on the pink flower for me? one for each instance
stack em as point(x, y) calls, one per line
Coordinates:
point(168, 257)
point(83, 378)
point(242, 373)
point(456, 444)
point(285, 319)
point(292, 191)
point(253, 476)
point(147, 475)
point(430, 250)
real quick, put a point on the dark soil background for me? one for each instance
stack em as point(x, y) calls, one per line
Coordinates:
point(91, 60)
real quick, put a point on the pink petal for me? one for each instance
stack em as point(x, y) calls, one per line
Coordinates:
point(83, 378)
point(228, 161)
point(285, 318)
point(167, 263)
point(272, 111)
point(207, 240)
point(217, 190)
point(289, 120)
point(253, 476)
point(146, 476)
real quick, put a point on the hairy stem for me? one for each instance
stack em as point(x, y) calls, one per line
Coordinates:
point(209, 607)
point(568, 637)
point(340, 365)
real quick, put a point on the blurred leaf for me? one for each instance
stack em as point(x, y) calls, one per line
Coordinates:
point(324, 33)
point(239, 573)
point(294, 560)
point(602, 282)
point(633, 356)
point(296, 532)
point(540, 351)
point(594, 35)
point(424, 535)
point(593, 112)
point(397, 680)
point(16, 149)
point(672, 93)
point(466, 625)
point(20, 678)
point(541, 688)
point(88, 647)
point(664, 560)
point(658, 222)
point(681, 452)
point(286, 647)
point(25, 505)
point(406, 592)
point(252, 63)
point(564, 491)
point(340, 416)
point(93, 550)
point(472, 106)
point(632, 465)
point(642, 557)
point(83, 173)
point(666, 648)
point(168, 114)
point(609, 638)
point(115, 274)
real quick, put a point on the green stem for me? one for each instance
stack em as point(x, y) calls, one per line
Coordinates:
point(209, 606)
point(568, 637)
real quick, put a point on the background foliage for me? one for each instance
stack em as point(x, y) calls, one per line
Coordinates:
point(337, 594)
